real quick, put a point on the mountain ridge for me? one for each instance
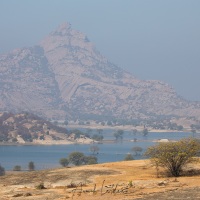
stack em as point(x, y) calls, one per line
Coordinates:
point(72, 80)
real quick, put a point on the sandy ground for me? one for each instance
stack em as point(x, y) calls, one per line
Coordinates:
point(121, 180)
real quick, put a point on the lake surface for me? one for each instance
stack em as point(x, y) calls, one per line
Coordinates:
point(46, 157)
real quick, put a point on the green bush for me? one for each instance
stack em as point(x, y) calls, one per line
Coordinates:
point(31, 166)
point(17, 168)
point(137, 150)
point(173, 156)
point(2, 171)
point(128, 157)
point(40, 186)
point(64, 162)
point(78, 158)
point(90, 160)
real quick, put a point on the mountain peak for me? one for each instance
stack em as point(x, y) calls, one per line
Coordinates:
point(65, 36)
point(71, 78)
point(63, 29)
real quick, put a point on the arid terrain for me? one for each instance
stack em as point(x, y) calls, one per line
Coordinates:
point(121, 180)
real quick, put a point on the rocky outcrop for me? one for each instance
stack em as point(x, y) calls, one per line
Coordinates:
point(66, 76)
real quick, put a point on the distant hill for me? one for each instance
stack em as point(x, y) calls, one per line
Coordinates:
point(28, 128)
point(66, 77)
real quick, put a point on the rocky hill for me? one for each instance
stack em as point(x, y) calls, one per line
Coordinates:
point(28, 128)
point(66, 77)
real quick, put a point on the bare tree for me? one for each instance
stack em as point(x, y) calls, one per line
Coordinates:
point(94, 149)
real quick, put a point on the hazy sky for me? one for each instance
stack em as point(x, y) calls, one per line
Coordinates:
point(153, 39)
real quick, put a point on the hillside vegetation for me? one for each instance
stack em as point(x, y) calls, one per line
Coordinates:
point(28, 128)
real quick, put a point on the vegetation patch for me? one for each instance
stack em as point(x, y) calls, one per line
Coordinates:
point(174, 156)
point(40, 186)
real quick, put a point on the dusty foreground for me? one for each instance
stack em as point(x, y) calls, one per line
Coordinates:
point(121, 180)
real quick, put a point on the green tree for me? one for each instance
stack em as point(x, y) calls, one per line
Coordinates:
point(64, 162)
point(90, 160)
point(97, 137)
point(17, 168)
point(109, 123)
point(180, 128)
point(173, 156)
point(103, 123)
point(145, 132)
point(31, 166)
point(76, 158)
point(137, 150)
point(128, 157)
point(66, 122)
point(2, 171)
point(119, 134)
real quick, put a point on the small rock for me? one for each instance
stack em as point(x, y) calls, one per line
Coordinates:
point(162, 183)
point(18, 195)
point(27, 194)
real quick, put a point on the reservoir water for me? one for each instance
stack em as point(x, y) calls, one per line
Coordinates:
point(46, 157)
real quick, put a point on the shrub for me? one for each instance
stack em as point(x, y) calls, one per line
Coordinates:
point(145, 132)
point(40, 186)
point(128, 157)
point(90, 160)
point(72, 185)
point(64, 162)
point(2, 171)
point(119, 134)
point(76, 158)
point(97, 137)
point(31, 166)
point(17, 168)
point(137, 150)
point(173, 156)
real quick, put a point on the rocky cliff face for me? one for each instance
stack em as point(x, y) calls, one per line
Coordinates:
point(27, 83)
point(66, 75)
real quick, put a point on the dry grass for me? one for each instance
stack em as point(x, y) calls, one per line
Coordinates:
point(120, 180)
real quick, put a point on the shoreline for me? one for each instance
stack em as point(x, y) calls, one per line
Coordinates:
point(75, 143)
point(125, 128)
point(88, 142)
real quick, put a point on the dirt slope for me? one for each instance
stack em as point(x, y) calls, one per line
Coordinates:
point(121, 180)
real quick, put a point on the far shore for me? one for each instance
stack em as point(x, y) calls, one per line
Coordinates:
point(75, 143)
point(124, 127)
point(88, 141)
